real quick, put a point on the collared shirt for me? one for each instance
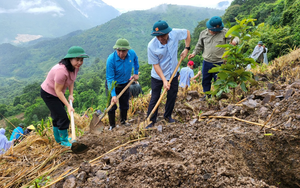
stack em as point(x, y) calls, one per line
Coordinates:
point(120, 70)
point(165, 55)
point(207, 42)
point(186, 74)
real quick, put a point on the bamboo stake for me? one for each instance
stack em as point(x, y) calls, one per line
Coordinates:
point(242, 100)
point(226, 117)
point(94, 160)
point(268, 120)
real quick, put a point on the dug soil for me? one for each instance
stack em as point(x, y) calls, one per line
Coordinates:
point(251, 144)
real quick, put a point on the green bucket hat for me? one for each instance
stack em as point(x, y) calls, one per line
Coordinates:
point(122, 44)
point(76, 51)
point(260, 42)
point(160, 28)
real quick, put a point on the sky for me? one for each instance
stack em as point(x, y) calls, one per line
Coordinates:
point(128, 5)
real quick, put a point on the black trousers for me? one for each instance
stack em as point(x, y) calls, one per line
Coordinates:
point(156, 86)
point(57, 108)
point(123, 100)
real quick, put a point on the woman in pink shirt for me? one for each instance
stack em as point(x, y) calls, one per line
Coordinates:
point(59, 78)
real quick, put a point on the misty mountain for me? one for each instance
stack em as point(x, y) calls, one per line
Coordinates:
point(25, 20)
point(24, 64)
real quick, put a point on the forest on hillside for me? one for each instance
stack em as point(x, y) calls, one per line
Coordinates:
point(280, 34)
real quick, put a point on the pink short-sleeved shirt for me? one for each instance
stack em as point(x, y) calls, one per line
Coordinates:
point(60, 75)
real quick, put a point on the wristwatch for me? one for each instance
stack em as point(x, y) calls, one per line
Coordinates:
point(188, 48)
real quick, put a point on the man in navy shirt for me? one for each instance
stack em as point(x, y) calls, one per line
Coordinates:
point(118, 69)
point(162, 55)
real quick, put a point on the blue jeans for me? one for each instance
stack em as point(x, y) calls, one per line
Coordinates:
point(207, 77)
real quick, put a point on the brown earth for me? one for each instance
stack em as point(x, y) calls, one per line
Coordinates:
point(201, 152)
point(254, 143)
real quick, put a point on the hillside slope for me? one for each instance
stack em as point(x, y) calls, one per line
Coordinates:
point(213, 143)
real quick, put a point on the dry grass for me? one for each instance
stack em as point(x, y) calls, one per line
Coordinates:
point(34, 157)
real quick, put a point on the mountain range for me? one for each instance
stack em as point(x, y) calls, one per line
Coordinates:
point(25, 20)
point(21, 65)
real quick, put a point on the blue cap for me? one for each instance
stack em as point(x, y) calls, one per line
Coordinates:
point(160, 28)
point(215, 24)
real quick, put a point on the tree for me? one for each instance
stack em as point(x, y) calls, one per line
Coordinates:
point(233, 73)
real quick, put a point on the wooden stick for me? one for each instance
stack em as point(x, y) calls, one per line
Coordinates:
point(93, 161)
point(268, 120)
point(226, 117)
point(162, 95)
point(111, 105)
point(242, 100)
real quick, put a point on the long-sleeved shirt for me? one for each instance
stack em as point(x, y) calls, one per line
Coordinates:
point(120, 70)
point(165, 55)
point(207, 43)
point(17, 132)
point(4, 143)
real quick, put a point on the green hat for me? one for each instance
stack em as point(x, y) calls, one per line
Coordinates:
point(76, 51)
point(122, 44)
point(260, 42)
point(160, 28)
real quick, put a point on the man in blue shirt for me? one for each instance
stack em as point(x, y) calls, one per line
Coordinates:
point(187, 75)
point(162, 55)
point(17, 132)
point(118, 69)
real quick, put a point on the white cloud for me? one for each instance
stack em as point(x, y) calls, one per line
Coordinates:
point(35, 6)
point(45, 9)
point(129, 5)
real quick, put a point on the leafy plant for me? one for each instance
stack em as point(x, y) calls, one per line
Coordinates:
point(233, 73)
point(41, 181)
point(44, 128)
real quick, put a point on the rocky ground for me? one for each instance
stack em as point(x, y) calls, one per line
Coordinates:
point(224, 146)
point(214, 143)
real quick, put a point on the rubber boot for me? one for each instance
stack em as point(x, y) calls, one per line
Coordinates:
point(64, 138)
point(112, 121)
point(123, 117)
point(56, 134)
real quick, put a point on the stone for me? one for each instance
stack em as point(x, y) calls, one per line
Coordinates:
point(288, 93)
point(263, 112)
point(82, 176)
point(268, 98)
point(208, 113)
point(271, 86)
point(160, 128)
point(106, 167)
point(193, 121)
point(85, 166)
point(206, 176)
point(101, 174)
point(70, 182)
point(250, 104)
point(193, 94)
point(188, 98)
